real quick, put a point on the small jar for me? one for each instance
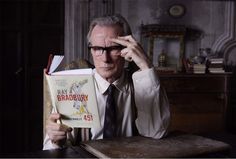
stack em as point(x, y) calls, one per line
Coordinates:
point(162, 59)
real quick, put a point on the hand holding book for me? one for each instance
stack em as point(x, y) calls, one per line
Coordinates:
point(57, 132)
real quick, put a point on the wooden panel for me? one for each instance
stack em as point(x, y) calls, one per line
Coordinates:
point(197, 112)
point(196, 84)
point(197, 123)
point(198, 102)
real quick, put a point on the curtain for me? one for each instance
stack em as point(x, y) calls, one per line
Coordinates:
point(78, 15)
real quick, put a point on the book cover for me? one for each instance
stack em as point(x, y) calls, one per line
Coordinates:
point(73, 95)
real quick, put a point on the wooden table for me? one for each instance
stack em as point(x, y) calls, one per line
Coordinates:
point(174, 145)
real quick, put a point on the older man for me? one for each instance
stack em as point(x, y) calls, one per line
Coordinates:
point(139, 102)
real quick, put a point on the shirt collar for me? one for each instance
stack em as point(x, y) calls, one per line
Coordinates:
point(103, 84)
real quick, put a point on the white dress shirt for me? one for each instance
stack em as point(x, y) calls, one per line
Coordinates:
point(153, 115)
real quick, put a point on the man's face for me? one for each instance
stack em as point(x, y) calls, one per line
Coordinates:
point(109, 64)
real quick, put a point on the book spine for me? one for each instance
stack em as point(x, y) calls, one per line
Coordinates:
point(49, 63)
point(50, 85)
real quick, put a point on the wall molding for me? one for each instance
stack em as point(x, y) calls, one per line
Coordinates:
point(224, 44)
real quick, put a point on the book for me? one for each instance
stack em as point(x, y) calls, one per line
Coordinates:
point(216, 60)
point(215, 65)
point(199, 68)
point(72, 94)
point(174, 145)
point(216, 70)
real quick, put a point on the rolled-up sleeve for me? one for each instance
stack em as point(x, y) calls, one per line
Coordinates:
point(153, 114)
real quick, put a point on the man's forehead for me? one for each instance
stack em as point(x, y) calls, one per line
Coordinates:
point(100, 38)
point(104, 33)
point(106, 30)
point(100, 35)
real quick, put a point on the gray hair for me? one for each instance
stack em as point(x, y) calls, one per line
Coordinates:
point(110, 20)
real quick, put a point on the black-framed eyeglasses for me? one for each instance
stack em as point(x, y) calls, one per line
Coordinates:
point(113, 50)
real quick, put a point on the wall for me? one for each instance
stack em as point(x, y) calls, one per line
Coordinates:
point(215, 19)
point(210, 17)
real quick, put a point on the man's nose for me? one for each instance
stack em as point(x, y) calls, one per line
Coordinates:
point(105, 55)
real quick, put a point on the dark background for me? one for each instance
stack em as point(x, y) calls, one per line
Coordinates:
point(29, 31)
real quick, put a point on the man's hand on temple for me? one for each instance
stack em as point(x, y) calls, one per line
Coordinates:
point(56, 132)
point(133, 51)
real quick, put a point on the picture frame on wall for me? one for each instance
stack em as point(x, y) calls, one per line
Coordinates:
point(177, 10)
point(168, 39)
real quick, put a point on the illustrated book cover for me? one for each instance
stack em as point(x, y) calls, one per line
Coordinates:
point(72, 94)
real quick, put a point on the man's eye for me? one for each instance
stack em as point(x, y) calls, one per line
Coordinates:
point(116, 48)
point(97, 48)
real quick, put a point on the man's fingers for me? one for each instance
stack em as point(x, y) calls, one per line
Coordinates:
point(128, 58)
point(54, 117)
point(133, 51)
point(127, 38)
point(57, 133)
point(121, 42)
point(125, 53)
point(58, 127)
point(127, 41)
point(56, 138)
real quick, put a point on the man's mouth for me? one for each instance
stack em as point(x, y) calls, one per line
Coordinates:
point(106, 65)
